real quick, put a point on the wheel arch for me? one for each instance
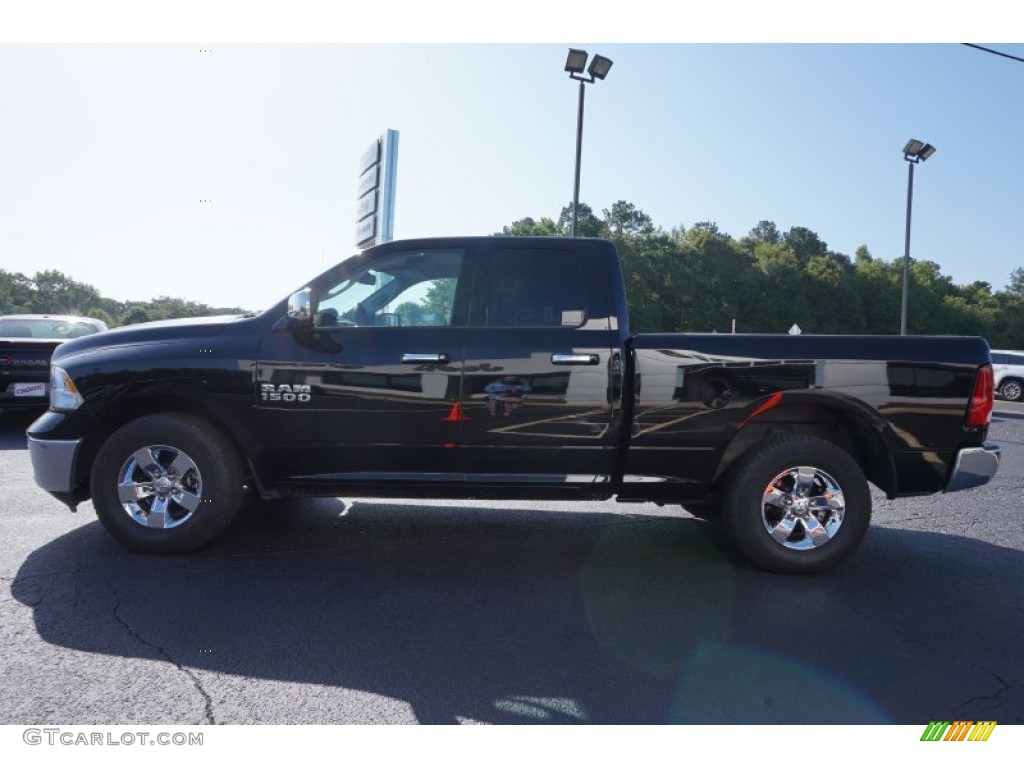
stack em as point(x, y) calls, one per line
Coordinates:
point(844, 423)
point(131, 408)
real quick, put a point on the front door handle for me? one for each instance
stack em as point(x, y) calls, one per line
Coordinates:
point(429, 357)
point(575, 359)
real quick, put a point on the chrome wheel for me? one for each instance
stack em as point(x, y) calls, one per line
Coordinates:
point(803, 508)
point(159, 486)
point(1011, 390)
point(796, 504)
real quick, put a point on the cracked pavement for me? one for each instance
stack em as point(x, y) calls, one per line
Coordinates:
point(375, 611)
point(207, 703)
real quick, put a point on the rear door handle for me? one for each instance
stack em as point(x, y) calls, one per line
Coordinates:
point(429, 357)
point(575, 359)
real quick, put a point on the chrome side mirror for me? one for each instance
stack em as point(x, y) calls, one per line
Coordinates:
point(300, 308)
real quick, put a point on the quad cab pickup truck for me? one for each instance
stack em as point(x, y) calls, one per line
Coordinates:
point(504, 368)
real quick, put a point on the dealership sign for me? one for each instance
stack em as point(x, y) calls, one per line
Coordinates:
point(375, 191)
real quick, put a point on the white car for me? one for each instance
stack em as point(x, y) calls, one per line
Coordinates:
point(1008, 367)
point(26, 343)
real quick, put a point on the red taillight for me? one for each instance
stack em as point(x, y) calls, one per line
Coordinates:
point(983, 398)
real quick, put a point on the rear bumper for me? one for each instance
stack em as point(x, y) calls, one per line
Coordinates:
point(974, 467)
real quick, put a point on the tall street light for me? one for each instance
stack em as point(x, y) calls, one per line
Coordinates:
point(914, 152)
point(598, 70)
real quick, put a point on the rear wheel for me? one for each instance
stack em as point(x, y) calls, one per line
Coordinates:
point(168, 483)
point(1011, 389)
point(797, 504)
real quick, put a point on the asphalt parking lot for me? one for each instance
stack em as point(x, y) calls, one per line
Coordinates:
point(370, 611)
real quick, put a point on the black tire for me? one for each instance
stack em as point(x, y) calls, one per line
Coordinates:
point(778, 508)
point(188, 496)
point(1011, 389)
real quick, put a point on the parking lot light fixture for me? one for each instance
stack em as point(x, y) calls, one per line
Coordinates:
point(912, 147)
point(599, 67)
point(575, 63)
point(914, 152)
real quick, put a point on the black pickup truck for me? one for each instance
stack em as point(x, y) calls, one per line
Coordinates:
point(502, 368)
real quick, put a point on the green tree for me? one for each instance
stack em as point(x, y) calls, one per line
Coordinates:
point(717, 276)
point(708, 227)
point(439, 300)
point(804, 243)
point(135, 313)
point(783, 286)
point(100, 314)
point(1016, 284)
point(625, 219)
point(16, 293)
point(56, 293)
point(926, 298)
point(699, 279)
point(835, 306)
point(1008, 328)
point(654, 275)
point(765, 232)
point(409, 312)
point(587, 224)
point(529, 228)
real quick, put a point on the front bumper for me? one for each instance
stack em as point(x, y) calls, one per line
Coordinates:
point(53, 464)
point(974, 467)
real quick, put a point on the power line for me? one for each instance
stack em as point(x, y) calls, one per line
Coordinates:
point(990, 50)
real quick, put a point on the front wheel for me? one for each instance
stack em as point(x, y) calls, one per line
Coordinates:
point(166, 484)
point(797, 504)
point(1011, 389)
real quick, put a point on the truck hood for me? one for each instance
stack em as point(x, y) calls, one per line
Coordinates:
point(160, 330)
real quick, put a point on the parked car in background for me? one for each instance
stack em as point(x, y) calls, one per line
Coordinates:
point(26, 343)
point(1008, 371)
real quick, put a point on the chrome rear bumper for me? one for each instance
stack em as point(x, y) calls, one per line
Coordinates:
point(974, 467)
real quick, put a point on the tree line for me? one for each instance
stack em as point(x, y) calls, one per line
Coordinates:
point(54, 293)
point(696, 279)
point(700, 279)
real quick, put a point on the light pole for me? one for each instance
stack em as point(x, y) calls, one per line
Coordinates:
point(598, 70)
point(914, 152)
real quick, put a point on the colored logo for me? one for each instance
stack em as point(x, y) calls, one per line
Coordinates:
point(959, 730)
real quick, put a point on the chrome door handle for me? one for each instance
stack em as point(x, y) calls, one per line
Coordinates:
point(430, 357)
point(575, 359)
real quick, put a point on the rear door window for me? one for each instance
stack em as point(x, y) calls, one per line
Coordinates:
point(530, 287)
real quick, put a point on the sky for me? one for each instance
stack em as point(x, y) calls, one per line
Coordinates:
point(117, 120)
point(160, 161)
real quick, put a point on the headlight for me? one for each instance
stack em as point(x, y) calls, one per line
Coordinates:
point(63, 392)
